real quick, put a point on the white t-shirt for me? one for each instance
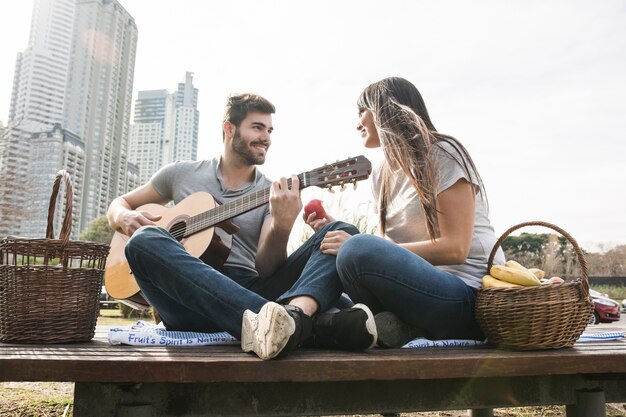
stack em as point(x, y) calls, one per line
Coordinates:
point(405, 221)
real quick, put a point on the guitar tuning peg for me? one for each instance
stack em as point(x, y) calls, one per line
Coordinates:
point(342, 187)
point(331, 190)
point(354, 185)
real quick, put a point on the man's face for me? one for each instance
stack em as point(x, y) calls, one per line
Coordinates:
point(252, 139)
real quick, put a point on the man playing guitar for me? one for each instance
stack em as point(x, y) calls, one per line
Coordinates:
point(272, 302)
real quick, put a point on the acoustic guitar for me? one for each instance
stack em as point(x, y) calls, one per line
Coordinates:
point(193, 220)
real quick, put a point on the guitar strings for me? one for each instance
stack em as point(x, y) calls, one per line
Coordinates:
point(233, 208)
point(228, 210)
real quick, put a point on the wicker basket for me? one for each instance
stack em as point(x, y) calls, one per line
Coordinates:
point(539, 317)
point(50, 288)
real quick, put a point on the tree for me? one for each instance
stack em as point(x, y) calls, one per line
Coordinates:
point(555, 255)
point(98, 231)
point(527, 248)
point(526, 243)
point(611, 263)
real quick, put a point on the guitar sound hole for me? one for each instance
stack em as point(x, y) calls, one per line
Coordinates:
point(178, 230)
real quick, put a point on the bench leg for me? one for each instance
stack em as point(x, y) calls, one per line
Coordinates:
point(588, 404)
point(480, 412)
point(135, 410)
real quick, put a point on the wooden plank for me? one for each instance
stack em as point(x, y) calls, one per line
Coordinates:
point(98, 361)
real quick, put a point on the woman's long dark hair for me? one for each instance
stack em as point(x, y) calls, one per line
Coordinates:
point(406, 135)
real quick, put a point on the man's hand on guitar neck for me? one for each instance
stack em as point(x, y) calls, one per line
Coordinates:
point(285, 204)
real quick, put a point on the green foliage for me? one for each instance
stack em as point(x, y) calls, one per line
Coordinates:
point(555, 254)
point(131, 313)
point(616, 292)
point(526, 243)
point(98, 231)
point(528, 249)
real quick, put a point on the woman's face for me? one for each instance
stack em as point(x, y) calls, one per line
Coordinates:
point(368, 130)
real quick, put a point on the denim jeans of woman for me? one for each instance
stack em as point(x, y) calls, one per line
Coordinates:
point(190, 295)
point(387, 277)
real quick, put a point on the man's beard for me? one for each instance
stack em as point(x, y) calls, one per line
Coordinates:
point(241, 148)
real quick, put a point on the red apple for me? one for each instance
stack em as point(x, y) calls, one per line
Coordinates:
point(315, 206)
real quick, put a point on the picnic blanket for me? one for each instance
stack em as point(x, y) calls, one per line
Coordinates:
point(594, 337)
point(143, 333)
point(585, 337)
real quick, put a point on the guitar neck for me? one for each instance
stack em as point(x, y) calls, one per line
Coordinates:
point(234, 208)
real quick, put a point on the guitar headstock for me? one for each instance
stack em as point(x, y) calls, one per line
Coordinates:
point(340, 173)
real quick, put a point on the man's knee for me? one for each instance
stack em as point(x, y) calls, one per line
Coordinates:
point(140, 240)
point(346, 227)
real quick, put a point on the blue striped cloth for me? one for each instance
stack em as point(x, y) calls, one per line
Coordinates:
point(143, 333)
point(593, 337)
point(421, 342)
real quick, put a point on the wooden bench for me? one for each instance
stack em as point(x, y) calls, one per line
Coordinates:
point(223, 381)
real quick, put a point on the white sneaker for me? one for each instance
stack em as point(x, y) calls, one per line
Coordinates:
point(268, 332)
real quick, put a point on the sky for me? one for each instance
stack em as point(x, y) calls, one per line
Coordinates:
point(534, 89)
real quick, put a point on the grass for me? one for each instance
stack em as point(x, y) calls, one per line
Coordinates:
point(36, 399)
point(114, 316)
point(617, 293)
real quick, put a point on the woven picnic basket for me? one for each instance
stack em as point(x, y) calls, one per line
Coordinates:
point(50, 288)
point(537, 317)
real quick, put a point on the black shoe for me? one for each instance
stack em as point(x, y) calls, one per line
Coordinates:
point(350, 329)
point(393, 332)
point(276, 329)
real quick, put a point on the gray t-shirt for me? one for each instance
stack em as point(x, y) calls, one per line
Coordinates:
point(178, 180)
point(405, 221)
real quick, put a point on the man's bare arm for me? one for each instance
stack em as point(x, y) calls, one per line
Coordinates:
point(122, 213)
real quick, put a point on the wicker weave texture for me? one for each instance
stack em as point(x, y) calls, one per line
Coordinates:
point(540, 317)
point(49, 288)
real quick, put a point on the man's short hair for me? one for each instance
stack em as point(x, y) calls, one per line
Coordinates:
point(238, 106)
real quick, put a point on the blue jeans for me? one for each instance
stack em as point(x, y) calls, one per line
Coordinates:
point(193, 296)
point(387, 277)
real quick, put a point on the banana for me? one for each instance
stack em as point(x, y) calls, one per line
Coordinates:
point(535, 271)
point(491, 282)
point(516, 265)
point(514, 275)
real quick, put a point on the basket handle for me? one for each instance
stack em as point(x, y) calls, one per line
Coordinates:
point(66, 228)
point(581, 258)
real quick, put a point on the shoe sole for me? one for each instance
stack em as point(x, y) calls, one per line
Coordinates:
point(268, 332)
point(393, 332)
point(370, 323)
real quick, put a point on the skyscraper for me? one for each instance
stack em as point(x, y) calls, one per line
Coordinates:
point(151, 131)
point(165, 128)
point(70, 109)
point(187, 120)
point(35, 114)
point(99, 98)
point(37, 99)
